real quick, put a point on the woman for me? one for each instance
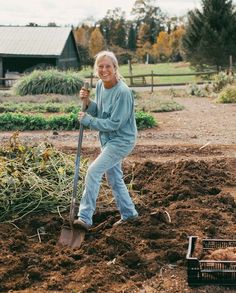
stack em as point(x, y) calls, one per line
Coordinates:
point(112, 114)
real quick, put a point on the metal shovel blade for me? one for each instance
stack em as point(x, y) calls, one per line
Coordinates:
point(71, 237)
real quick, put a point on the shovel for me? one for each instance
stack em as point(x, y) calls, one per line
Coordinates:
point(73, 236)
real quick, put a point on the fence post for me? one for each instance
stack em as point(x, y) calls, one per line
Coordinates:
point(230, 64)
point(152, 81)
point(91, 80)
point(130, 72)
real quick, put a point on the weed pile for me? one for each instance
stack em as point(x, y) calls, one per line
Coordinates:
point(35, 179)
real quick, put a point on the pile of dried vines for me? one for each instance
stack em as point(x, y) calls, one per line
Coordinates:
point(35, 179)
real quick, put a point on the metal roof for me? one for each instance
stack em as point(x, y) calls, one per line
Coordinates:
point(33, 41)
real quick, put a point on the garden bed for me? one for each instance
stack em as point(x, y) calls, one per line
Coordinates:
point(185, 166)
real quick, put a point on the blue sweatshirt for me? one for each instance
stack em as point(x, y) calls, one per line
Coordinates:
point(112, 114)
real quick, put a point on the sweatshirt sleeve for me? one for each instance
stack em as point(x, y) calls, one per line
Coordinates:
point(92, 109)
point(120, 114)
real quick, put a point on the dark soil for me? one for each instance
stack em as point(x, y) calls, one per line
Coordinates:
point(182, 186)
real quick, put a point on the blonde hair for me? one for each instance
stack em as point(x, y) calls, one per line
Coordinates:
point(114, 60)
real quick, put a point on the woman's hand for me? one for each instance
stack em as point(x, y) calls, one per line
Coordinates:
point(84, 96)
point(81, 115)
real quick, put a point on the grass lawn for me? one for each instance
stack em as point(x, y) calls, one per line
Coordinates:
point(162, 68)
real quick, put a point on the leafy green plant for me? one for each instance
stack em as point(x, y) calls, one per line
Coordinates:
point(227, 95)
point(195, 90)
point(136, 94)
point(63, 122)
point(48, 81)
point(173, 92)
point(8, 107)
point(220, 80)
point(18, 121)
point(168, 106)
point(40, 107)
point(156, 104)
point(145, 120)
point(71, 108)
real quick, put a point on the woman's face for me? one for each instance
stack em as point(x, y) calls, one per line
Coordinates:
point(106, 71)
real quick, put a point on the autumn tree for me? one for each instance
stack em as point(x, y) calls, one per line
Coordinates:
point(82, 35)
point(96, 42)
point(143, 43)
point(142, 37)
point(162, 48)
point(210, 36)
point(176, 43)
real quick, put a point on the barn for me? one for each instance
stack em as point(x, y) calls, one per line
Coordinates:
point(23, 49)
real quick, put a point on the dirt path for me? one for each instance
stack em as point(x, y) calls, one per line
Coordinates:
point(186, 166)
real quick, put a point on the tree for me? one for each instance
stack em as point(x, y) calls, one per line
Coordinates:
point(52, 24)
point(82, 35)
point(175, 43)
point(143, 35)
point(144, 52)
point(143, 43)
point(162, 48)
point(32, 24)
point(113, 28)
point(147, 12)
point(96, 42)
point(210, 36)
point(132, 38)
point(119, 36)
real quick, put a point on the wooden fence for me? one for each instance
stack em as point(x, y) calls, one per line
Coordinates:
point(6, 82)
point(153, 80)
point(145, 80)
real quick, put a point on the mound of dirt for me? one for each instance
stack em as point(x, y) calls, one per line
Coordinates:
point(181, 180)
point(174, 200)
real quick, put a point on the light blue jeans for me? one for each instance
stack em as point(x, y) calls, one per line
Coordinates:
point(108, 162)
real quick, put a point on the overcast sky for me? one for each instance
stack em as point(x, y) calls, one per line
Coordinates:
point(74, 12)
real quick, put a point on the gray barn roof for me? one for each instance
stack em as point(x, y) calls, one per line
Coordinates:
point(33, 41)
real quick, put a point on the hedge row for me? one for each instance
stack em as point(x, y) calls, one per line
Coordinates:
point(39, 107)
point(18, 121)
